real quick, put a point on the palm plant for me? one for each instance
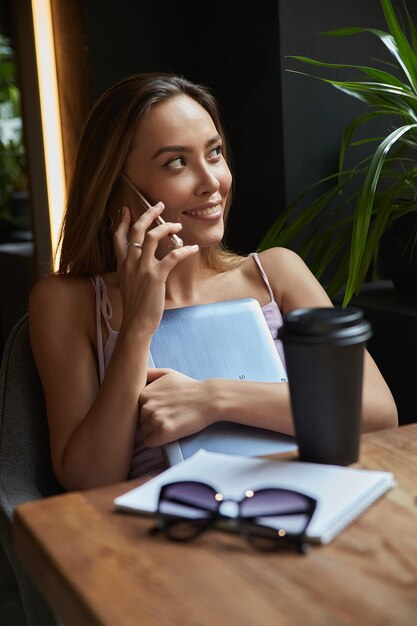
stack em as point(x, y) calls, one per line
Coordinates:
point(360, 204)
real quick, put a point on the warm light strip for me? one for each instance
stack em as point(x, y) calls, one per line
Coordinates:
point(50, 113)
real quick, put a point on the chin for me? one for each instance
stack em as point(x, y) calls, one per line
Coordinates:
point(204, 240)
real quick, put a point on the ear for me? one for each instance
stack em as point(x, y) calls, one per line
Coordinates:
point(109, 223)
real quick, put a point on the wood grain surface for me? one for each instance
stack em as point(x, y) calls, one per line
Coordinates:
point(98, 566)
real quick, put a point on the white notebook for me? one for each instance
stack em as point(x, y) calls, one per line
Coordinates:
point(342, 493)
point(221, 340)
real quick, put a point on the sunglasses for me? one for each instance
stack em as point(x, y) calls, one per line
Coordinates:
point(268, 519)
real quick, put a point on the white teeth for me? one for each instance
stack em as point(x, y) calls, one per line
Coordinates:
point(209, 211)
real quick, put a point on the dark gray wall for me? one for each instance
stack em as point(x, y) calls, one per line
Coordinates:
point(231, 46)
point(284, 129)
point(5, 17)
point(314, 114)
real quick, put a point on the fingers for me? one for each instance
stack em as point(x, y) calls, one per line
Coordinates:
point(157, 428)
point(157, 372)
point(140, 226)
point(175, 257)
point(151, 432)
point(152, 237)
point(133, 230)
point(140, 232)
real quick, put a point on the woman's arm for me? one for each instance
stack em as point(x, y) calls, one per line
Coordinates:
point(295, 286)
point(92, 427)
point(174, 406)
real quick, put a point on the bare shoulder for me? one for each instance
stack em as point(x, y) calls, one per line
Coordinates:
point(58, 286)
point(272, 260)
point(58, 302)
point(291, 280)
point(275, 259)
point(57, 291)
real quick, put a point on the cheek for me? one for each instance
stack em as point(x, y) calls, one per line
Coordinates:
point(226, 180)
point(167, 192)
point(174, 192)
point(174, 197)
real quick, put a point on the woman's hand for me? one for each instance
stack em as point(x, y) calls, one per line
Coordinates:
point(141, 275)
point(172, 406)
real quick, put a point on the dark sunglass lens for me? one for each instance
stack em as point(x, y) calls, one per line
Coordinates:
point(186, 509)
point(269, 539)
point(265, 538)
point(287, 513)
point(188, 499)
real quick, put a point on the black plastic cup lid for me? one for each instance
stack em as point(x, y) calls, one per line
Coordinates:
point(346, 325)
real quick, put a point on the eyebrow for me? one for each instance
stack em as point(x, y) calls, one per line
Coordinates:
point(165, 149)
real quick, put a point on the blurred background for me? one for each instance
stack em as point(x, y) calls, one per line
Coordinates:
point(58, 56)
point(284, 129)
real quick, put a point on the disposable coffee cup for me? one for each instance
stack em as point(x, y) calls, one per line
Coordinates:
point(324, 354)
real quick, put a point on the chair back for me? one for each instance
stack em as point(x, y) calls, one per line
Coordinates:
point(25, 461)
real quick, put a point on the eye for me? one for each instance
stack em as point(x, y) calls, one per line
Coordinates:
point(175, 163)
point(216, 151)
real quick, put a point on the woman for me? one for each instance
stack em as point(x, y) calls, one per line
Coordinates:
point(92, 323)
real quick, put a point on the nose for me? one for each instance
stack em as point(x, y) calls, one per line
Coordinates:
point(208, 182)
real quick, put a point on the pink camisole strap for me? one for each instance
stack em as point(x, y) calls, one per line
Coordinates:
point(144, 459)
point(271, 310)
point(103, 311)
point(255, 255)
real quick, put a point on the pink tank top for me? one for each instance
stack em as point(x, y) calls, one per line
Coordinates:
point(152, 459)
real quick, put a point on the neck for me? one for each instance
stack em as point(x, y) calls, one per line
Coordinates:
point(186, 283)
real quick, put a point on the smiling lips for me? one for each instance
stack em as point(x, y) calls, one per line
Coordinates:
point(214, 211)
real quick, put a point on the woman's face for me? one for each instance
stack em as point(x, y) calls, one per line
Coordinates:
point(177, 158)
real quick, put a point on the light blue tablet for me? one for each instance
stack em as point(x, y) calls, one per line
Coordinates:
point(221, 340)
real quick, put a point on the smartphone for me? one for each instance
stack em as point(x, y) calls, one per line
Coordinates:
point(178, 243)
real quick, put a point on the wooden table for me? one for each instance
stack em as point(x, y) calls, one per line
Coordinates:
point(97, 566)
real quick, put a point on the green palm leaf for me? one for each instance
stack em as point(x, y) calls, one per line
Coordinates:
point(376, 74)
point(405, 51)
point(395, 48)
point(347, 220)
point(364, 209)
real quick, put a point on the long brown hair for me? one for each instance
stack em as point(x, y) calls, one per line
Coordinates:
point(85, 240)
